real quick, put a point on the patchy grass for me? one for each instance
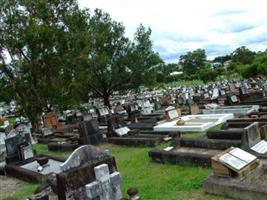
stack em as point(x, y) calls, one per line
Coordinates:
point(11, 120)
point(21, 193)
point(154, 181)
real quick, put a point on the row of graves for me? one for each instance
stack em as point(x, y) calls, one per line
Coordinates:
point(89, 173)
point(236, 152)
point(246, 92)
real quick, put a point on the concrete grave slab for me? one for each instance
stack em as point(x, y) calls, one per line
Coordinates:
point(194, 123)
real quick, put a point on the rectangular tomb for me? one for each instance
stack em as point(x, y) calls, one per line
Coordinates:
point(236, 110)
point(194, 123)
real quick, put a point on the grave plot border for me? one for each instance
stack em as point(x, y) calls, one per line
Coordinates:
point(14, 169)
point(80, 176)
point(235, 188)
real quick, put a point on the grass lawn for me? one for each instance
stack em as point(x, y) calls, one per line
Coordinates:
point(154, 181)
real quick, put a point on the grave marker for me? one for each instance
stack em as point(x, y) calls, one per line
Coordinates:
point(106, 186)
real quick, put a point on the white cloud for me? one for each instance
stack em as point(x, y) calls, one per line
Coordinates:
point(179, 26)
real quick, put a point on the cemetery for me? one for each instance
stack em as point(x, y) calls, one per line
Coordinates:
point(90, 110)
point(184, 135)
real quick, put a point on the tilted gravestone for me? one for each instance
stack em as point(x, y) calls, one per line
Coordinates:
point(89, 174)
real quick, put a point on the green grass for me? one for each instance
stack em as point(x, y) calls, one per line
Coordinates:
point(11, 120)
point(154, 181)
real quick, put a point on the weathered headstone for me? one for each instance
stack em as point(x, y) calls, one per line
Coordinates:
point(89, 174)
point(51, 120)
point(106, 186)
point(83, 155)
point(251, 136)
point(18, 148)
point(89, 132)
point(194, 109)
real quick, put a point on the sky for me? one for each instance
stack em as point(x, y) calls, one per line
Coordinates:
point(179, 26)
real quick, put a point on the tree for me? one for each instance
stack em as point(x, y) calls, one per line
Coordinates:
point(142, 61)
point(106, 62)
point(193, 61)
point(222, 59)
point(243, 55)
point(37, 52)
point(116, 63)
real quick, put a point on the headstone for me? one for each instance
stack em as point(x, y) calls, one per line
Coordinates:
point(89, 132)
point(82, 155)
point(106, 186)
point(172, 113)
point(26, 151)
point(18, 147)
point(251, 136)
point(89, 174)
point(47, 131)
point(148, 107)
point(194, 109)
point(232, 87)
point(234, 99)
point(237, 159)
point(260, 147)
point(104, 111)
point(243, 90)
point(206, 95)
point(222, 92)
point(51, 120)
point(215, 94)
point(122, 131)
point(87, 117)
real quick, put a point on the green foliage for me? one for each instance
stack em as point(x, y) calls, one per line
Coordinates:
point(207, 74)
point(143, 62)
point(114, 62)
point(243, 56)
point(260, 64)
point(222, 59)
point(192, 62)
point(39, 38)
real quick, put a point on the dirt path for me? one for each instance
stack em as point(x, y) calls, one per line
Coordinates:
point(8, 185)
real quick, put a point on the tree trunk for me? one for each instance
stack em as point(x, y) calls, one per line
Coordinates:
point(106, 100)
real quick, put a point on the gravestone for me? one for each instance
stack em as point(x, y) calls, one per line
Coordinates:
point(232, 87)
point(234, 99)
point(194, 109)
point(206, 96)
point(244, 88)
point(51, 120)
point(251, 136)
point(122, 131)
point(172, 113)
point(83, 155)
point(215, 94)
point(18, 148)
point(87, 116)
point(89, 132)
point(106, 186)
point(222, 92)
point(148, 107)
point(47, 131)
point(89, 174)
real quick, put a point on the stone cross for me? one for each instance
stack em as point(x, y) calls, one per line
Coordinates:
point(106, 186)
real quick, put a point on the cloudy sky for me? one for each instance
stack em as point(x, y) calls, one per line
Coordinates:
point(178, 26)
